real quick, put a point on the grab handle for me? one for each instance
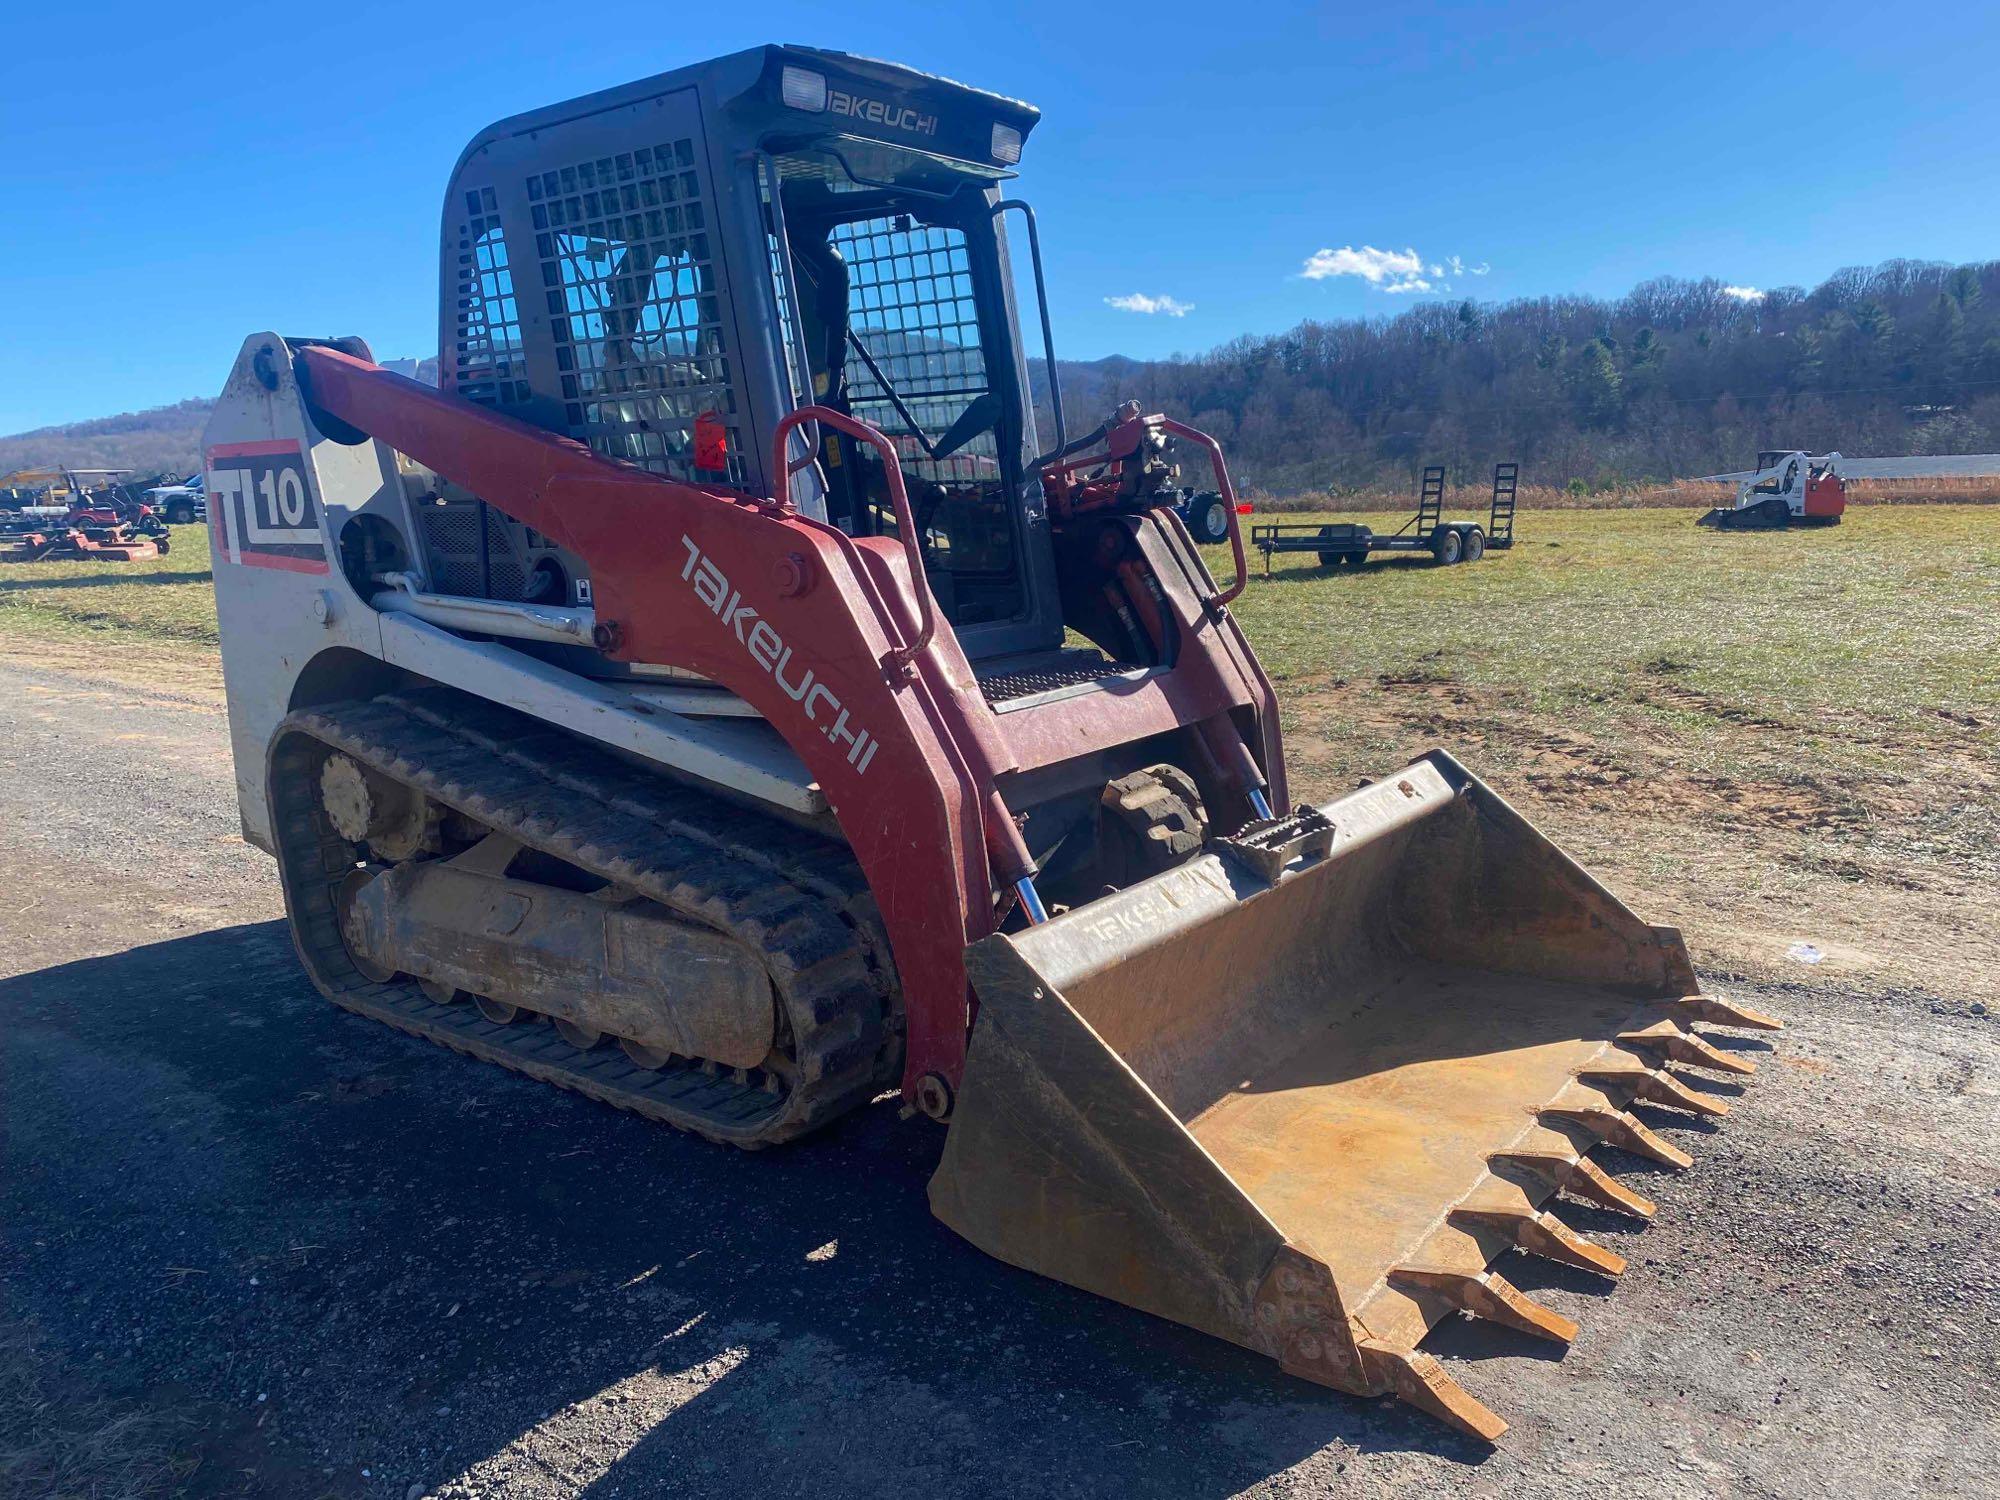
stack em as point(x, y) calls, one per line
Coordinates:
point(899, 497)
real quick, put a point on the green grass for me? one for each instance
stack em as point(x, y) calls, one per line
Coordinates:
point(164, 599)
point(1778, 737)
point(1887, 619)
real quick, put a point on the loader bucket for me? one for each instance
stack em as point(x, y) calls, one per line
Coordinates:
point(1303, 1108)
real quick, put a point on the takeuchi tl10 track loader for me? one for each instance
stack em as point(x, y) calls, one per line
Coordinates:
point(688, 704)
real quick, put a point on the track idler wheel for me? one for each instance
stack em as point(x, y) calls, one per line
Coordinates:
point(357, 881)
point(652, 1059)
point(395, 820)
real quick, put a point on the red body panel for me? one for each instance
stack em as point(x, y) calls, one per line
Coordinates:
point(813, 628)
point(1825, 496)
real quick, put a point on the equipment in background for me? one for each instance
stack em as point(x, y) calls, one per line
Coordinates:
point(77, 515)
point(1500, 514)
point(1203, 513)
point(1348, 543)
point(716, 699)
point(180, 504)
point(1788, 489)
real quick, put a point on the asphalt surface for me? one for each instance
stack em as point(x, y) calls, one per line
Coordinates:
point(335, 1260)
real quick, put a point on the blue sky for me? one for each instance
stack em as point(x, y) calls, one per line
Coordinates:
point(187, 174)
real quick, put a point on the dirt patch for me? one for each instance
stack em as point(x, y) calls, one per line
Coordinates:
point(1678, 696)
point(169, 670)
point(1712, 825)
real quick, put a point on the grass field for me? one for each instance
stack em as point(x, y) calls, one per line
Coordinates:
point(1769, 738)
point(153, 620)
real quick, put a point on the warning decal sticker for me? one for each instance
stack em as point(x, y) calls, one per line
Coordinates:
point(262, 508)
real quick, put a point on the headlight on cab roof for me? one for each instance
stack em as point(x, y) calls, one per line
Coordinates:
point(802, 88)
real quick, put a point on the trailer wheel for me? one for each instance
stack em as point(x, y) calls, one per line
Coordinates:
point(1447, 546)
point(1332, 559)
point(1475, 544)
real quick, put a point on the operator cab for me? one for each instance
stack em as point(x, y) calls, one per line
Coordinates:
point(666, 270)
point(902, 322)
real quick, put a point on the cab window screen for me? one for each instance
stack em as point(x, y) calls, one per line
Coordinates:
point(910, 304)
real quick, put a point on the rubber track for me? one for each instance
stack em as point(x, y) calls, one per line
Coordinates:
point(799, 901)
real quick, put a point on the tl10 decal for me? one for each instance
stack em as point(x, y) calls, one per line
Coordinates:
point(262, 507)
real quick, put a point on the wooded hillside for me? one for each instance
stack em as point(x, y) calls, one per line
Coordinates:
point(1676, 379)
point(161, 440)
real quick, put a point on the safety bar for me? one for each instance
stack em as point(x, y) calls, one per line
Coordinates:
point(899, 495)
point(787, 287)
point(1228, 492)
point(1016, 205)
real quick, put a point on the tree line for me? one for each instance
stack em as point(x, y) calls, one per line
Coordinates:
point(1676, 379)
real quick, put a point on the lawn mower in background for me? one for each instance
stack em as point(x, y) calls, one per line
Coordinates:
point(81, 515)
point(713, 699)
point(1788, 489)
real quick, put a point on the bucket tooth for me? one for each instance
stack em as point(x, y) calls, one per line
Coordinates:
point(1621, 1129)
point(1545, 1235)
point(1654, 1085)
point(1421, 1381)
point(1487, 1295)
point(1593, 1184)
point(1667, 1038)
point(1724, 1013)
point(1576, 1175)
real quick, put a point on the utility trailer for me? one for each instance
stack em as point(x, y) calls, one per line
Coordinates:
point(1347, 543)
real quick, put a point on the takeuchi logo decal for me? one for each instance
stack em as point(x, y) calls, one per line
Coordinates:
point(768, 650)
point(879, 112)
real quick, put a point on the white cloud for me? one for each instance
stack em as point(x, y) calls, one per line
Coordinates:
point(1743, 293)
point(1139, 302)
point(1388, 270)
point(1376, 267)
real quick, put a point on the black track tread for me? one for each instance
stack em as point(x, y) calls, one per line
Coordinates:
point(799, 901)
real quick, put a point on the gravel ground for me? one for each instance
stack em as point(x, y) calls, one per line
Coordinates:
point(300, 1254)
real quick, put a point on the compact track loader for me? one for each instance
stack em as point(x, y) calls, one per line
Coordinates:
point(717, 700)
point(1786, 489)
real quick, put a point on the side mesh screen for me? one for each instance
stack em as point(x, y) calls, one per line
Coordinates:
point(624, 263)
point(586, 289)
point(491, 367)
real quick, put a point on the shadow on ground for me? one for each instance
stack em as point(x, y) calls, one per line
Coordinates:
point(343, 1248)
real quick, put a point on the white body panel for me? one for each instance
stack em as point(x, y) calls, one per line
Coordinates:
point(285, 602)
